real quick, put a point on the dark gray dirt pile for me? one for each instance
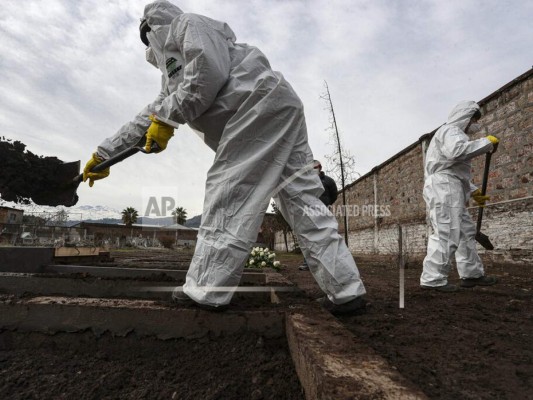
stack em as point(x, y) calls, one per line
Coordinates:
point(25, 176)
point(82, 366)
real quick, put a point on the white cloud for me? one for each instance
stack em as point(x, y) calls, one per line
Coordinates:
point(72, 73)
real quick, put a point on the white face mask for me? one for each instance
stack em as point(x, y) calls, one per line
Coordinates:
point(150, 56)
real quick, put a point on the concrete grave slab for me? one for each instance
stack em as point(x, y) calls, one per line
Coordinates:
point(122, 317)
point(124, 272)
point(332, 364)
point(96, 287)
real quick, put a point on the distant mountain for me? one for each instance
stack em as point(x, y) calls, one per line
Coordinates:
point(111, 221)
point(194, 222)
point(94, 213)
point(110, 215)
point(156, 221)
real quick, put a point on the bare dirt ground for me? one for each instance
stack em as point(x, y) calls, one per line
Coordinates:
point(474, 344)
point(83, 366)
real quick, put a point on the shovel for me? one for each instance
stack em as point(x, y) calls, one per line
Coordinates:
point(481, 238)
point(68, 173)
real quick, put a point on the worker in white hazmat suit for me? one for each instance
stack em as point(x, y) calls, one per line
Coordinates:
point(254, 121)
point(447, 188)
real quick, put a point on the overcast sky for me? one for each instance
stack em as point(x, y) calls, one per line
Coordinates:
point(73, 72)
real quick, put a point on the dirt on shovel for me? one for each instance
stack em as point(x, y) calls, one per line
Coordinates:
point(26, 177)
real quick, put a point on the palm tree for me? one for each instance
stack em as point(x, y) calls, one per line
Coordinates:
point(129, 216)
point(180, 214)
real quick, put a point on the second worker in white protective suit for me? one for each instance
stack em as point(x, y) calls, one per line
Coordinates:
point(254, 121)
point(447, 188)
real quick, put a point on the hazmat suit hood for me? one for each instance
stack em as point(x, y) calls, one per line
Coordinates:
point(450, 150)
point(160, 12)
point(462, 113)
point(158, 16)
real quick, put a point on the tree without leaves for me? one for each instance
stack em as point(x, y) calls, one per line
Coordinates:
point(129, 216)
point(282, 225)
point(28, 219)
point(269, 227)
point(180, 214)
point(333, 162)
point(341, 164)
point(60, 218)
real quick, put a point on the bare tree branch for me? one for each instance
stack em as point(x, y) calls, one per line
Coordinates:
point(341, 163)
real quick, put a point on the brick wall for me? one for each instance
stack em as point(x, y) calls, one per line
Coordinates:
point(509, 116)
point(397, 184)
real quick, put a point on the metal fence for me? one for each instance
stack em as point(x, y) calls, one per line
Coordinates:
point(46, 236)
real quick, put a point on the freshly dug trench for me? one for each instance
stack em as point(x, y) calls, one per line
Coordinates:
point(25, 176)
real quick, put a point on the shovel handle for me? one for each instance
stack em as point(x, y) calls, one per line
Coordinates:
point(486, 174)
point(486, 171)
point(118, 158)
point(484, 185)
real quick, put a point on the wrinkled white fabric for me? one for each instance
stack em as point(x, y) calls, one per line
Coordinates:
point(150, 57)
point(254, 121)
point(447, 188)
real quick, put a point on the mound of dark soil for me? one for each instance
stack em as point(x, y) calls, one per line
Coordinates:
point(25, 176)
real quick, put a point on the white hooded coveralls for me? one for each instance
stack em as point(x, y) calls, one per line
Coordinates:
point(447, 189)
point(254, 121)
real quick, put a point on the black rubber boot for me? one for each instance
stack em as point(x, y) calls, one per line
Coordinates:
point(356, 306)
point(448, 288)
point(481, 281)
point(181, 299)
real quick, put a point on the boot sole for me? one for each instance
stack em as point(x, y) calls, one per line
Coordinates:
point(189, 303)
point(440, 289)
point(470, 285)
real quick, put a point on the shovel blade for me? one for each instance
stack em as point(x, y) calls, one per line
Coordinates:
point(62, 192)
point(484, 241)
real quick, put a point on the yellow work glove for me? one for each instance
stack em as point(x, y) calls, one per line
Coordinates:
point(493, 139)
point(158, 132)
point(94, 176)
point(480, 198)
